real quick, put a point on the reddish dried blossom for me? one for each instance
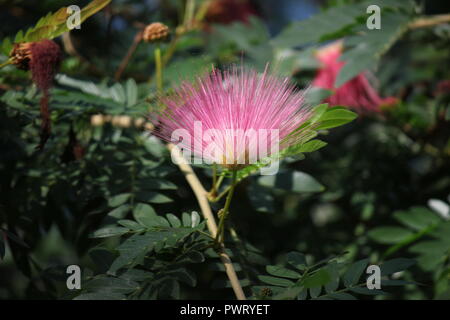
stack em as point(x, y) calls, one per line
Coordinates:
point(356, 93)
point(44, 63)
point(227, 11)
point(43, 59)
point(443, 87)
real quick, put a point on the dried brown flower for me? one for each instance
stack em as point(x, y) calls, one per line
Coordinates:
point(21, 55)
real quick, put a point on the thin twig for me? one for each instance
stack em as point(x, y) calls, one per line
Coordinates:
point(187, 24)
point(9, 61)
point(201, 195)
point(126, 59)
point(213, 192)
point(430, 21)
point(189, 13)
point(201, 12)
point(221, 195)
point(170, 50)
point(69, 47)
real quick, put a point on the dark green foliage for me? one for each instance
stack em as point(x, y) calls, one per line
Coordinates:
point(107, 197)
point(328, 279)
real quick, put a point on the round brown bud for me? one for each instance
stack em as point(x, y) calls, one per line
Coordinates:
point(156, 32)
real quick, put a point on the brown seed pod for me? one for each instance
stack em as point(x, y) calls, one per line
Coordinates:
point(155, 32)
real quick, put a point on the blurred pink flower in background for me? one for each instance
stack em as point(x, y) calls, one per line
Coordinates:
point(228, 11)
point(356, 93)
point(443, 87)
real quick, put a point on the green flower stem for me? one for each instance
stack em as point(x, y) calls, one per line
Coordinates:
point(9, 61)
point(189, 13)
point(170, 50)
point(213, 191)
point(159, 67)
point(225, 210)
point(221, 195)
point(201, 12)
point(219, 182)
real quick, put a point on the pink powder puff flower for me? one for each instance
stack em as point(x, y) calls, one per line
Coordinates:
point(356, 93)
point(233, 118)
